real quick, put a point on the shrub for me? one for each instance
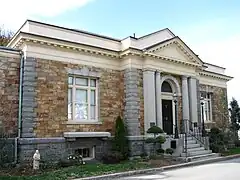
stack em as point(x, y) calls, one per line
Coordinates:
point(237, 143)
point(160, 139)
point(153, 157)
point(143, 155)
point(160, 151)
point(72, 160)
point(150, 140)
point(155, 130)
point(169, 151)
point(156, 139)
point(216, 140)
point(120, 141)
point(112, 158)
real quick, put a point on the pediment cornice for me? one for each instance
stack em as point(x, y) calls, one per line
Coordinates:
point(177, 42)
point(215, 75)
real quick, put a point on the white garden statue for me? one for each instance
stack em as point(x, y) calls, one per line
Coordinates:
point(36, 159)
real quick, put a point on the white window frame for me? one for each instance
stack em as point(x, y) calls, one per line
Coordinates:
point(207, 111)
point(74, 86)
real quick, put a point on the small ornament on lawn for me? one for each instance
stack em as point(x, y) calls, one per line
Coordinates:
point(36, 160)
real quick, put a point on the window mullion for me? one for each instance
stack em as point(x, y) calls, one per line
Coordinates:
point(96, 101)
point(73, 102)
point(89, 100)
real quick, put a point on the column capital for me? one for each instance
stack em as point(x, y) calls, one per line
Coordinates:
point(193, 77)
point(184, 77)
point(159, 71)
point(149, 69)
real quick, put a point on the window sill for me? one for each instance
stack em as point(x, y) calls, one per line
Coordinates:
point(83, 122)
point(88, 159)
point(209, 122)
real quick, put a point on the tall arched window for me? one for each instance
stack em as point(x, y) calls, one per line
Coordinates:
point(166, 87)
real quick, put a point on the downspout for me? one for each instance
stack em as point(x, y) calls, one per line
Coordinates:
point(19, 107)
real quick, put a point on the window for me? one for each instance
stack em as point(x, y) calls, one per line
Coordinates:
point(86, 153)
point(82, 99)
point(166, 87)
point(207, 107)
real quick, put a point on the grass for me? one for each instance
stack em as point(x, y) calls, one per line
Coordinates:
point(232, 151)
point(81, 171)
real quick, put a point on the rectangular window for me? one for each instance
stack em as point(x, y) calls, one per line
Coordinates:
point(82, 99)
point(207, 107)
point(86, 152)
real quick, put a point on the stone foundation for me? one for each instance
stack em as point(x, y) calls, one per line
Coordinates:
point(52, 150)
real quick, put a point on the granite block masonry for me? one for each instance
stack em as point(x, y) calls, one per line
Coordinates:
point(29, 98)
point(132, 101)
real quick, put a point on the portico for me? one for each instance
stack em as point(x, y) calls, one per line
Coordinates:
point(158, 100)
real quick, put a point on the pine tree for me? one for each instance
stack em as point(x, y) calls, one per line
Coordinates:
point(234, 116)
point(120, 143)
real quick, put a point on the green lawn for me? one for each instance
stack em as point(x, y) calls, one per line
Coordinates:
point(232, 151)
point(81, 171)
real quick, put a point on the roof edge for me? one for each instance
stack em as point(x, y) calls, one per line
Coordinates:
point(156, 33)
point(230, 77)
point(9, 49)
point(214, 65)
point(75, 30)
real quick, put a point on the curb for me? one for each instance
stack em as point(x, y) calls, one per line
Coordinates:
point(172, 167)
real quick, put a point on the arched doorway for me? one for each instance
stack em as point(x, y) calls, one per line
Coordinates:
point(167, 107)
point(169, 86)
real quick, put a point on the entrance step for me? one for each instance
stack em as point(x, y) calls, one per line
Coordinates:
point(196, 153)
point(190, 138)
point(190, 146)
point(203, 157)
point(191, 142)
point(196, 149)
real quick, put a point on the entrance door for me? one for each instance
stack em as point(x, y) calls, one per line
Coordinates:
point(167, 116)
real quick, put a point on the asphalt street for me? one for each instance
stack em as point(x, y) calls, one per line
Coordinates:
point(225, 170)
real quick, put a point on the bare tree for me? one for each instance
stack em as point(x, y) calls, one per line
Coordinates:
point(5, 36)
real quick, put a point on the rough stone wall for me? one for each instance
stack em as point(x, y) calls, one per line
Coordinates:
point(51, 97)
point(51, 149)
point(180, 117)
point(9, 85)
point(140, 88)
point(219, 106)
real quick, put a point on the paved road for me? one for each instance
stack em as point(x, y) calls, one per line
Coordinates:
point(226, 170)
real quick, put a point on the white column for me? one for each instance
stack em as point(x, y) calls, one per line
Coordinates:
point(158, 99)
point(149, 98)
point(193, 99)
point(185, 102)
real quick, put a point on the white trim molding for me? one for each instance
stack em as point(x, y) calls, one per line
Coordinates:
point(173, 82)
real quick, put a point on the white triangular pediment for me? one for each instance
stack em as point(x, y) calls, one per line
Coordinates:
point(175, 50)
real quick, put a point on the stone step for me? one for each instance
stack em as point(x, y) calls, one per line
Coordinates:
point(190, 138)
point(203, 157)
point(191, 142)
point(189, 146)
point(196, 153)
point(196, 149)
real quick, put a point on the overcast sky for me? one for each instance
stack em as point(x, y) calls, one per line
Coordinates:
point(210, 28)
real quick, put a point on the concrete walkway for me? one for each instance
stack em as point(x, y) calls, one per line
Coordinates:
point(217, 171)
